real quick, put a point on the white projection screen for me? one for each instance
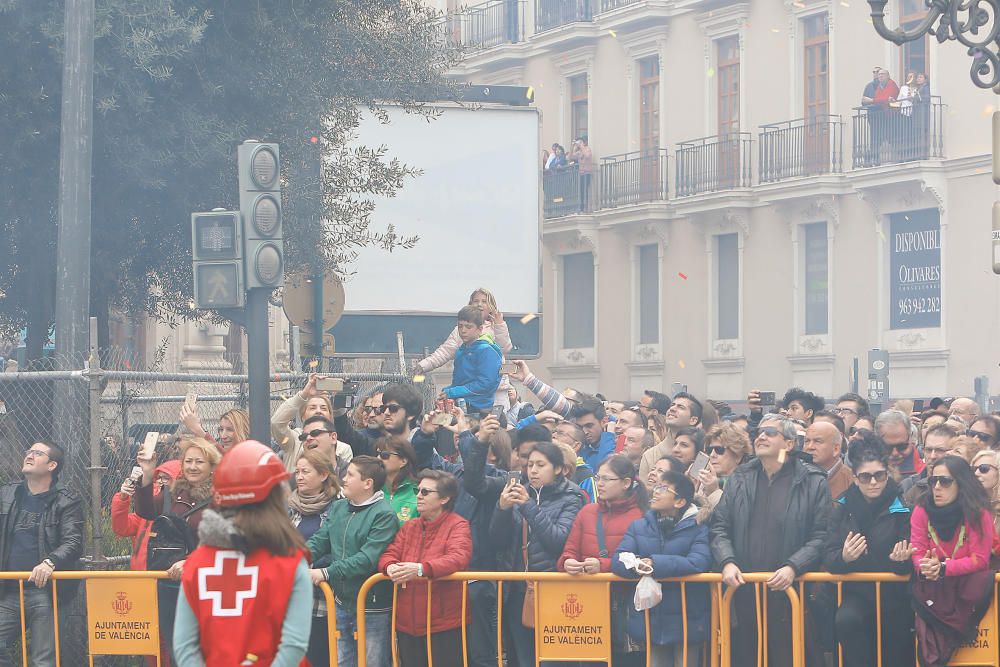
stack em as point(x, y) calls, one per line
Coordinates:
point(475, 207)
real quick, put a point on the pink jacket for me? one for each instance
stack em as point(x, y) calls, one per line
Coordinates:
point(446, 352)
point(972, 556)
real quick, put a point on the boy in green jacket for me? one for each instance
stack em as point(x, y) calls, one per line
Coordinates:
point(358, 529)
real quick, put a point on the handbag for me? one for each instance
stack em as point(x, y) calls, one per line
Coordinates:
point(171, 538)
point(528, 607)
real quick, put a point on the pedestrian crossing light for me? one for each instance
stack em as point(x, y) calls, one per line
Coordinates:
point(217, 254)
point(260, 206)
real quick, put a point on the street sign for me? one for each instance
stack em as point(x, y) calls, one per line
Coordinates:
point(298, 300)
point(218, 285)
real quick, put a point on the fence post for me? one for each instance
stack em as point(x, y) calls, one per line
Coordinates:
point(94, 376)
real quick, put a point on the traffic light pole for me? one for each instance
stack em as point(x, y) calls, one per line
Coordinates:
point(258, 364)
point(317, 323)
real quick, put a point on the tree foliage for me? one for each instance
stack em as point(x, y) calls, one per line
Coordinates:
point(179, 83)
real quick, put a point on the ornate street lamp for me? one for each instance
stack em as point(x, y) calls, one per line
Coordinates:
point(973, 23)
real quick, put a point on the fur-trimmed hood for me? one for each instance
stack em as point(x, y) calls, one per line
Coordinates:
point(218, 531)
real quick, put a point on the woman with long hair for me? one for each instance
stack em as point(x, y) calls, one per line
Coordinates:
point(303, 404)
point(400, 460)
point(529, 528)
point(234, 427)
point(951, 531)
point(316, 488)
point(436, 544)
point(727, 446)
point(869, 532)
point(595, 535)
point(188, 497)
point(494, 326)
point(249, 537)
point(986, 467)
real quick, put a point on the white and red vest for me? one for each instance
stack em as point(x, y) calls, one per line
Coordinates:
point(240, 602)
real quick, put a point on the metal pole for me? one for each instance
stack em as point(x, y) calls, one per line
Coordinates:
point(854, 376)
point(399, 351)
point(75, 164)
point(317, 322)
point(96, 467)
point(258, 364)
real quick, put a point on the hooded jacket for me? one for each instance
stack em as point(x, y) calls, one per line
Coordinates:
point(443, 547)
point(129, 524)
point(477, 373)
point(583, 541)
point(806, 517)
point(677, 552)
point(550, 513)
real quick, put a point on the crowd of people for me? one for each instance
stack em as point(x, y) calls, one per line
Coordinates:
point(898, 117)
point(666, 486)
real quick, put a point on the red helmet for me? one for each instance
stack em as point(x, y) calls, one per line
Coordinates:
point(246, 474)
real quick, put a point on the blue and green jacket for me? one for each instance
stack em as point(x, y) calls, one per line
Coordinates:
point(477, 373)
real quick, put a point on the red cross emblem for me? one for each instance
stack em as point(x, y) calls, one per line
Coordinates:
point(228, 583)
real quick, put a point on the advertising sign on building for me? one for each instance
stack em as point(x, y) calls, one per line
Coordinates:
point(121, 617)
point(573, 621)
point(915, 269)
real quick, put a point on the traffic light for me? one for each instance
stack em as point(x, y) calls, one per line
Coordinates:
point(217, 260)
point(260, 206)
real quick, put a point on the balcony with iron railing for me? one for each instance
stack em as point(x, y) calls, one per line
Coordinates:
point(567, 190)
point(633, 178)
point(550, 14)
point(801, 147)
point(900, 132)
point(488, 24)
point(710, 164)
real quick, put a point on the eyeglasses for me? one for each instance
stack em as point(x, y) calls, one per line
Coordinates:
point(877, 476)
point(315, 433)
point(854, 430)
point(423, 491)
point(899, 447)
point(840, 412)
point(716, 449)
point(663, 488)
point(979, 435)
point(604, 479)
point(939, 480)
point(984, 468)
point(769, 431)
point(384, 455)
point(35, 453)
point(367, 409)
point(391, 408)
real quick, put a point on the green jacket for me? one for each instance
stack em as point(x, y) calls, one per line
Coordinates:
point(354, 538)
point(404, 500)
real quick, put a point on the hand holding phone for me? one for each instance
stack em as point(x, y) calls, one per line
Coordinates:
point(497, 411)
point(765, 398)
point(513, 477)
point(699, 464)
point(148, 449)
point(508, 368)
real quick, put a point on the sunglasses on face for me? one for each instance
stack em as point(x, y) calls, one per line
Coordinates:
point(940, 480)
point(878, 476)
point(769, 431)
point(391, 408)
point(984, 468)
point(899, 448)
point(422, 491)
point(367, 409)
point(979, 435)
point(716, 449)
point(315, 433)
point(860, 431)
point(384, 455)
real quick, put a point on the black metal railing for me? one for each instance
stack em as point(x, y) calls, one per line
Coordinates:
point(608, 5)
point(633, 178)
point(714, 163)
point(567, 190)
point(800, 147)
point(489, 24)
point(554, 13)
point(898, 132)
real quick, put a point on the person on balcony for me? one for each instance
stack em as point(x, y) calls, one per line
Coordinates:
point(583, 156)
point(884, 92)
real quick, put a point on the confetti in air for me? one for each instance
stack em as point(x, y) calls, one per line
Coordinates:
point(527, 318)
point(613, 33)
point(314, 363)
point(682, 275)
point(711, 72)
point(285, 441)
point(418, 379)
point(680, 362)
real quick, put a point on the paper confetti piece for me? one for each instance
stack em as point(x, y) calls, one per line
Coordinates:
point(881, 235)
point(285, 441)
point(612, 33)
point(283, 397)
point(680, 362)
point(527, 318)
point(682, 275)
point(418, 378)
point(711, 72)
point(314, 363)
point(776, 30)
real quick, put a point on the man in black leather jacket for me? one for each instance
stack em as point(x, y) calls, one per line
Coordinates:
point(41, 530)
point(772, 517)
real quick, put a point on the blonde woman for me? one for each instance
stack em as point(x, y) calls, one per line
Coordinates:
point(965, 447)
point(494, 325)
point(727, 446)
point(986, 467)
point(234, 427)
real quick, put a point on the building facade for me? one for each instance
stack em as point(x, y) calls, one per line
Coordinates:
point(748, 222)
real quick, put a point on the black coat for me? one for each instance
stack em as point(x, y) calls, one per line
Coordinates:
point(550, 514)
point(805, 518)
point(60, 531)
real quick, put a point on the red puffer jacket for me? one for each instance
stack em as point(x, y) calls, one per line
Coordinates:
point(443, 547)
point(126, 524)
point(582, 541)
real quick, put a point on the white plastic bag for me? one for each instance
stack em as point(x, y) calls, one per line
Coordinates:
point(648, 593)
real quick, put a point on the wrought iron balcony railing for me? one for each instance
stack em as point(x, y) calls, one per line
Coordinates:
point(721, 162)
